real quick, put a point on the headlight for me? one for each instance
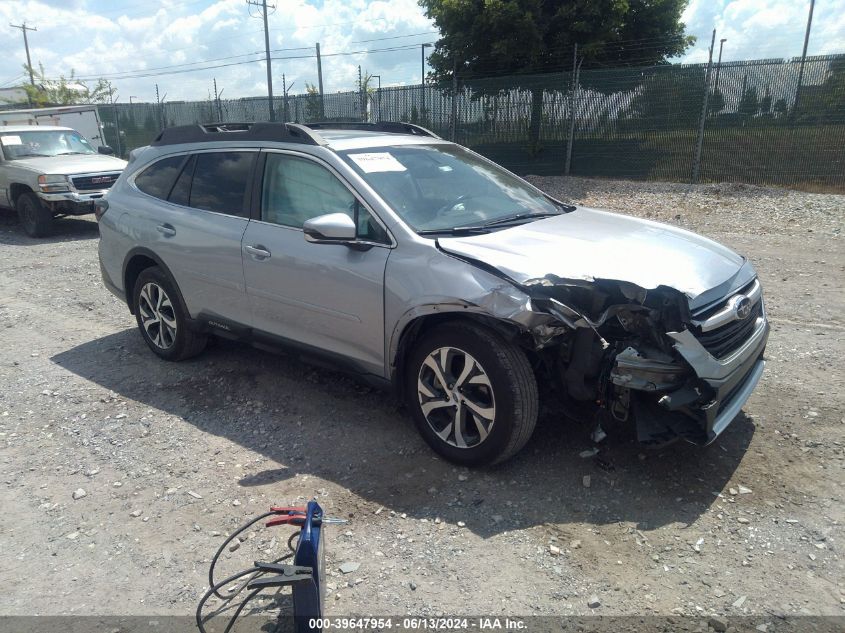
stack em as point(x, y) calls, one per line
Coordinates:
point(53, 184)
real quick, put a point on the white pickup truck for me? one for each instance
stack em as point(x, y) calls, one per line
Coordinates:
point(49, 171)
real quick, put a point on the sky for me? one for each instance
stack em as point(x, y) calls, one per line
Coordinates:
point(124, 39)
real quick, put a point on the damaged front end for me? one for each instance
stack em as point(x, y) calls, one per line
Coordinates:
point(642, 356)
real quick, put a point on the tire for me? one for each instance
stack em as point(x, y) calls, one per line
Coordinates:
point(495, 402)
point(157, 302)
point(36, 219)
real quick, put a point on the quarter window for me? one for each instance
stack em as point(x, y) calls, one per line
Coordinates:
point(157, 179)
point(182, 189)
point(296, 190)
point(220, 182)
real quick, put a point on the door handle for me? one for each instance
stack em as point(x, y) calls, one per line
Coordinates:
point(258, 251)
point(166, 229)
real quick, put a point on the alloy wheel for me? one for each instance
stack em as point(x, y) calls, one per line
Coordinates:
point(157, 315)
point(456, 397)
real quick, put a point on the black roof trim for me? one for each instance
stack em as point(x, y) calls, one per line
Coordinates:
point(394, 127)
point(283, 132)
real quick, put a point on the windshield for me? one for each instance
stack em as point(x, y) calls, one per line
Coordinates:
point(43, 143)
point(446, 188)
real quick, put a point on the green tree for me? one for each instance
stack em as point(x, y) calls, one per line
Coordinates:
point(748, 103)
point(780, 108)
point(63, 91)
point(669, 97)
point(716, 103)
point(313, 105)
point(499, 37)
point(765, 105)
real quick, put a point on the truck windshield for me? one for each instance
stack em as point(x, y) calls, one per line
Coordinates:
point(28, 144)
point(443, 188)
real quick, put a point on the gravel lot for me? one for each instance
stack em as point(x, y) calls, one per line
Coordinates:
point(173, 456)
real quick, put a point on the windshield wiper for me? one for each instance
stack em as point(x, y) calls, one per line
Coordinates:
point(67, 153)
point(519, 217)
point(457, 230)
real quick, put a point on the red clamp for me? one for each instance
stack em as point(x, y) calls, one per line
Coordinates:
point(290, 516)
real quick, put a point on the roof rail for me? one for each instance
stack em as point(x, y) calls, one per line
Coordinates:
point(284, 132)
point(395, 127)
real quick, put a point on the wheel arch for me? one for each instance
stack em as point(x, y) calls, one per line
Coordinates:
point(137, 261)
point(16, 190)
point(422, 319)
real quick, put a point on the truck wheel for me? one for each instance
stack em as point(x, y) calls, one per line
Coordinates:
point(161, 318)
point(472, 393)
point(37, 220)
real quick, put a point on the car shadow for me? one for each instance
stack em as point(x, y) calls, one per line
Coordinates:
point(319, 422)
point(65, 229)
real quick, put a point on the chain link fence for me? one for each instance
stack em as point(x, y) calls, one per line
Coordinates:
point(777, 121)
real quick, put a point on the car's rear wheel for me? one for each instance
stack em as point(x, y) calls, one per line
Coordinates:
point(161, 318)
point(36, 219)
point(473, 394)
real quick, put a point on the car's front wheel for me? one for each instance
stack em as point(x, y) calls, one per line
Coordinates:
point(473, 394)
point(161, 319)
point(36, 219)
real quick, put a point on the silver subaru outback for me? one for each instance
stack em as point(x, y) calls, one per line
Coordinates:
point(420, 265)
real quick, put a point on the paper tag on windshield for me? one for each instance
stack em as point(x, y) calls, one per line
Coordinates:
point(11, 140)
point(377, 161)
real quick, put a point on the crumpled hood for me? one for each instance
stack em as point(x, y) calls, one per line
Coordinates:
point(590, 244)
point(71, 164)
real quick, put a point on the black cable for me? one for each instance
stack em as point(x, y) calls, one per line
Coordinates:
point(241, 608)
point(240, 530)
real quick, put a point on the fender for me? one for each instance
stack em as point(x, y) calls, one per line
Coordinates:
point(145, 252)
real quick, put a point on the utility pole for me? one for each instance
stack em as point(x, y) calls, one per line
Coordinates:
point(320, 82)
point(361, 95)
point(24, 28)
point(263, 5)
point(378, 95)
point(116, 119)
point(719, 63)
point(575, 68)
point(803, 58)
point(217, 102)
point(696, 163)
point(422, 80)
point(284, 98)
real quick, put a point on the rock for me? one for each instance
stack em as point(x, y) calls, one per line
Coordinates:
point(586, 481)
point(117, 484)
point(348, 567)
point(194, 494)
point(732, 491)
point(135, 513)
point(739, 602)
point(718, 593)
point(554, 550)
point(718, 623)
point(72, 536)
point(575, 544)
point(91, 472)
point(742, 520)
point(461, 524)
point(78, 494)
point(236, 503)
point(763, 628)
point(412, 585)
point(497, 518)
point(593, 602)
point(819, 545)
point(588, 453)
point(235, 545)
point(744, 491)
point(462, 477)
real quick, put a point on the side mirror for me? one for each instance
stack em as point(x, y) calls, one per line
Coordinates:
point(330, 228)
point(105, 149)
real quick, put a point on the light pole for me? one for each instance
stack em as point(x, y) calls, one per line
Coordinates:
point(803, 57)
point(130, 99)
point(422, 79)
point(719, 63)
point(378, 95)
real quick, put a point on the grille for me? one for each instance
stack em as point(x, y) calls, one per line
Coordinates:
point(94, 183)
point(728, 338)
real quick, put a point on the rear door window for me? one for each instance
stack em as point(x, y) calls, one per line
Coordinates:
point(157, 179)
point(181, 193)
point(220, 182)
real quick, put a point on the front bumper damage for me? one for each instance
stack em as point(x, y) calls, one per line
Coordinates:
point(638, 354)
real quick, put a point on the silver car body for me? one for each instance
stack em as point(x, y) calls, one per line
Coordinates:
point(359, 306)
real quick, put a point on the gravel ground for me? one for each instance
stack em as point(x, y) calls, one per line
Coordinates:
point(166, 459)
